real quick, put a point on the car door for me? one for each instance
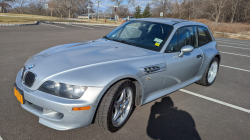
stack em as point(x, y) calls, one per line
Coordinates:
point(180, 69)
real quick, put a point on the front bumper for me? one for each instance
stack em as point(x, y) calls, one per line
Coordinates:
point(56, 112)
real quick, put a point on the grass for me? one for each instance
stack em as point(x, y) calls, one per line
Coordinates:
point(9, 18)
point(243, 29)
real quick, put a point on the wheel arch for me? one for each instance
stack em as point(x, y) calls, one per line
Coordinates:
point(218, 56)
point(138, 95)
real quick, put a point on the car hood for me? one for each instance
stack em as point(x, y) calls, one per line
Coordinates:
point(70, 56)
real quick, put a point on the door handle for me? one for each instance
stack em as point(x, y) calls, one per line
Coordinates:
point(199, 56)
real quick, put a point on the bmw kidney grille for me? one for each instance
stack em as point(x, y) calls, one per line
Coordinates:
point(29, 79)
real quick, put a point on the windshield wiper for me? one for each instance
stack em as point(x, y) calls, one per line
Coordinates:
point(122, 41)
point(125, 42)
point(106, 37)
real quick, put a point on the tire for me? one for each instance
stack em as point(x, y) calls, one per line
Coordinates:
point(112, 106)
point(205, 81)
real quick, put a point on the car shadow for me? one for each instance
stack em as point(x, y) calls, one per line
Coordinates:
point(167, 122)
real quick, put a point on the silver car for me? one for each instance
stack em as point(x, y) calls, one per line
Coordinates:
point(101, 81)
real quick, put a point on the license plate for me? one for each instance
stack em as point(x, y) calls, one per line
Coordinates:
point(18, 95)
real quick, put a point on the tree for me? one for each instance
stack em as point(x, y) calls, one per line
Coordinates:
point(234, 5)
point(218, 7)
point(214, 8)
point(137, 13)
point(4, 4)
point(163, 5)
point(123, 6)
point(146, 11)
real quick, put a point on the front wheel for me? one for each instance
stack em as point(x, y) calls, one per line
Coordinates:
point(210, 75)
point(116, 106)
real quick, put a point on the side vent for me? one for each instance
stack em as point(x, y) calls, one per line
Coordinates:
point(153, 69)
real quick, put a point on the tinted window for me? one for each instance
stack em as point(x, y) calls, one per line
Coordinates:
point(131, 31)
point(173, 45)
point(204, 36)
point(147, 35)
point(184, 36)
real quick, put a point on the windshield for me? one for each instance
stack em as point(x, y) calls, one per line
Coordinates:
point(147, 35)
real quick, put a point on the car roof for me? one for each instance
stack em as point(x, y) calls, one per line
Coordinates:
point(169, 21)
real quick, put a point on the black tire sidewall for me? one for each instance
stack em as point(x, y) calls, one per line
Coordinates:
point(214, 59)
point(118, 91)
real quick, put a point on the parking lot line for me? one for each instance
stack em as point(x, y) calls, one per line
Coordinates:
point(234, 43)
point(54, 25)
point(87, 27)
point(235, 68)
point(215, 100)
point(232, 40)
point(81, 26)
point(59, 27)
point(235, 47)
point(235, 54)
point(74, 25)
point(77, 26)
point(1, 138)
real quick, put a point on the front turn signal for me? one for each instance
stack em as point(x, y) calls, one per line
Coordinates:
point(81, 108)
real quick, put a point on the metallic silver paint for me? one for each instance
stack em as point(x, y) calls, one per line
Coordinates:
point(101, 63)
point(186, 49)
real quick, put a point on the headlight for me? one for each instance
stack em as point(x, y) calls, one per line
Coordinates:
point(63, 90)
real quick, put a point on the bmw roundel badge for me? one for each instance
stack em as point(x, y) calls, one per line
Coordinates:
point(31, 66)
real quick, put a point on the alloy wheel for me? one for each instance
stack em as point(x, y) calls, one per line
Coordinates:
point(122, 106)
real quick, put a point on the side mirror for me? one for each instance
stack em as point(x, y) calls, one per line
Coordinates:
point(186, 49)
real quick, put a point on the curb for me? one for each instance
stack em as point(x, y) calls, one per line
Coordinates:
point(36, 23)
point(233, 35)
point(77, 23)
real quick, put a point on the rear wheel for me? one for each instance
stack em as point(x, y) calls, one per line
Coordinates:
point(210, 75)
point(116, 106)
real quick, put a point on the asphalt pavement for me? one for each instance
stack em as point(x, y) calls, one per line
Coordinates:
point(221, 111)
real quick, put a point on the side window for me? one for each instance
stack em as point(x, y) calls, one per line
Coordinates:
point(204, 36)
point(186, 36)
point(173, 45)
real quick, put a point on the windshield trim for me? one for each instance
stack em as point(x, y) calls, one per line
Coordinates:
point(124, 24)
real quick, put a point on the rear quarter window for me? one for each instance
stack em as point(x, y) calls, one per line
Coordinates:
point(204, 36)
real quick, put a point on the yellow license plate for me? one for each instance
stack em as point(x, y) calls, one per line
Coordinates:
point(18, 95)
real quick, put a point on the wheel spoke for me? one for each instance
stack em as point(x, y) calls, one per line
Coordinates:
point(118, 115)
point(214, 66)
point(126, 102)
point(123, 110)
point(124, 92)
point(121, 97)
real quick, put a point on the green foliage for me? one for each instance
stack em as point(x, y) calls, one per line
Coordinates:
point(146, 12)
point(137, 13)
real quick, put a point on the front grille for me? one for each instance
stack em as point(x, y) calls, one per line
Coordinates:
point(23, 72)
point(29, 79)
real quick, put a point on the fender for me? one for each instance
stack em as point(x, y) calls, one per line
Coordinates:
point(211, 52)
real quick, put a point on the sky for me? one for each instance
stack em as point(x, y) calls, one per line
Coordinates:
point(106, 3)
